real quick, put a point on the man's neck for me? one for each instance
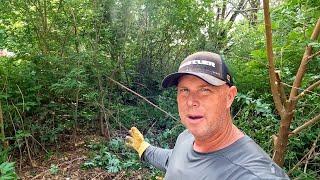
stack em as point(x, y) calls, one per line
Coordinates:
point(219, 141)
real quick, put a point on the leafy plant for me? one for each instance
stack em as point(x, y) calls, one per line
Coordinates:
point(107, 157)
point(54, 169)
point(7, 171)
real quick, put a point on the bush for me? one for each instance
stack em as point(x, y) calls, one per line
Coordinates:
point(111, 157)
point(7, 171)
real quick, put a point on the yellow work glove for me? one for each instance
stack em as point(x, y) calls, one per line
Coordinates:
point(136, 141)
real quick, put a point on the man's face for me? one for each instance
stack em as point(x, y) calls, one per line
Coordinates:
point(203, 108)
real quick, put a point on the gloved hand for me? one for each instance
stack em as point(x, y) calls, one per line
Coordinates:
point(136, 141)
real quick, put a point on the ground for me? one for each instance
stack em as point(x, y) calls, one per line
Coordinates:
point(66, 164)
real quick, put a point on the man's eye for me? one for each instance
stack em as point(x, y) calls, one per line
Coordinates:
point(183, 90)
point(205, 90)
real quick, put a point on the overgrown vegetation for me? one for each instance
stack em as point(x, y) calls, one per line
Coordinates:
point(57, 84)
point(7, 169)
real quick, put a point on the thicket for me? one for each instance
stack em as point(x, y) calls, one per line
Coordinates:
point(58, 85)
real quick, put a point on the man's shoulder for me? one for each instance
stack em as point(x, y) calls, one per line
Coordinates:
point(244, 147)
point(252, 159)
point(185, 134)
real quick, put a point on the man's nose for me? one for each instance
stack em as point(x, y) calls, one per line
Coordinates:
point(193, 100)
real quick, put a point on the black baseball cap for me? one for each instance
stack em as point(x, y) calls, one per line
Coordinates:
point(206, 65)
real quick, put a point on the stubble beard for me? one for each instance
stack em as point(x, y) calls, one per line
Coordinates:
point(208, 130)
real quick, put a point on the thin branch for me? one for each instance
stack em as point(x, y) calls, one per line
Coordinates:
point(25, 138)
point(316, 31)
point(304, 62)
point(39, 144)
point(275, 139)
point(273, 82)
point(3, 141)
point(110, 113)
point(309, 89)
point(23, 104)
point(137, 94)
point(314, 55)
point(312, 151)
point(249, 9)
point(240, 6)
point(305, 156)
point(281, 92)
point(94, 178)
point(59, 165)
point(300, 89)
point(305, 125)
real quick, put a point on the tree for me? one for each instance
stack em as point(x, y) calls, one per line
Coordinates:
point(286, 104)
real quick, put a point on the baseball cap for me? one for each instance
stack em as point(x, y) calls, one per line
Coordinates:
point(206, 65)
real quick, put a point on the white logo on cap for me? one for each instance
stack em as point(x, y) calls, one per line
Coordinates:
point(196, 61)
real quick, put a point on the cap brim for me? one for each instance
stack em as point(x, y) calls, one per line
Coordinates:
point(172, 79)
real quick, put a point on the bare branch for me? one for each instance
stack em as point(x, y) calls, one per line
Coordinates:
point(249, 9)
point(231, 9)
point(309, 89)
point(281, 92)
point(2, 136)
point(137, 94)
point(304, 62)
point(316, 31)
point(273, 81)
point(313, 55)
point(314, 145)
point(301, 89)
point(275, 139)
point(223, 11)
point(59, 165)
point(305, 125)
point(240, 6)
point(311, 152)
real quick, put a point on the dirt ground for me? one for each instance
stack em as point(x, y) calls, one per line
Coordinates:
point(66, 164)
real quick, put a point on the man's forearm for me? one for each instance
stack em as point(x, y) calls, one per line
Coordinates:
point(158, 157)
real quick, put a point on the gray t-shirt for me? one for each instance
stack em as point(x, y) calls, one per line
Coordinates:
point(243, 159)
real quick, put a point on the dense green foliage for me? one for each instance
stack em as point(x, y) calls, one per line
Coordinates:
point(7, 171)
point(57, 84)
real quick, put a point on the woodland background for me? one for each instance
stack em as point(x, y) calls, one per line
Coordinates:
point(61, 61)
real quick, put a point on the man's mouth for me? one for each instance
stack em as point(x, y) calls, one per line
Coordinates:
point(195, 117)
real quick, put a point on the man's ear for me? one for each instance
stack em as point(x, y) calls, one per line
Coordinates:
point(232, 92)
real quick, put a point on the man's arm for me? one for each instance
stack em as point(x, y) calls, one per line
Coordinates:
point(158, 157)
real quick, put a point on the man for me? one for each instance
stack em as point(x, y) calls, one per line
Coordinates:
point(211, 147)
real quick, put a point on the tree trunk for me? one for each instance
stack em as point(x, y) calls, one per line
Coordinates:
point(281, 141)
